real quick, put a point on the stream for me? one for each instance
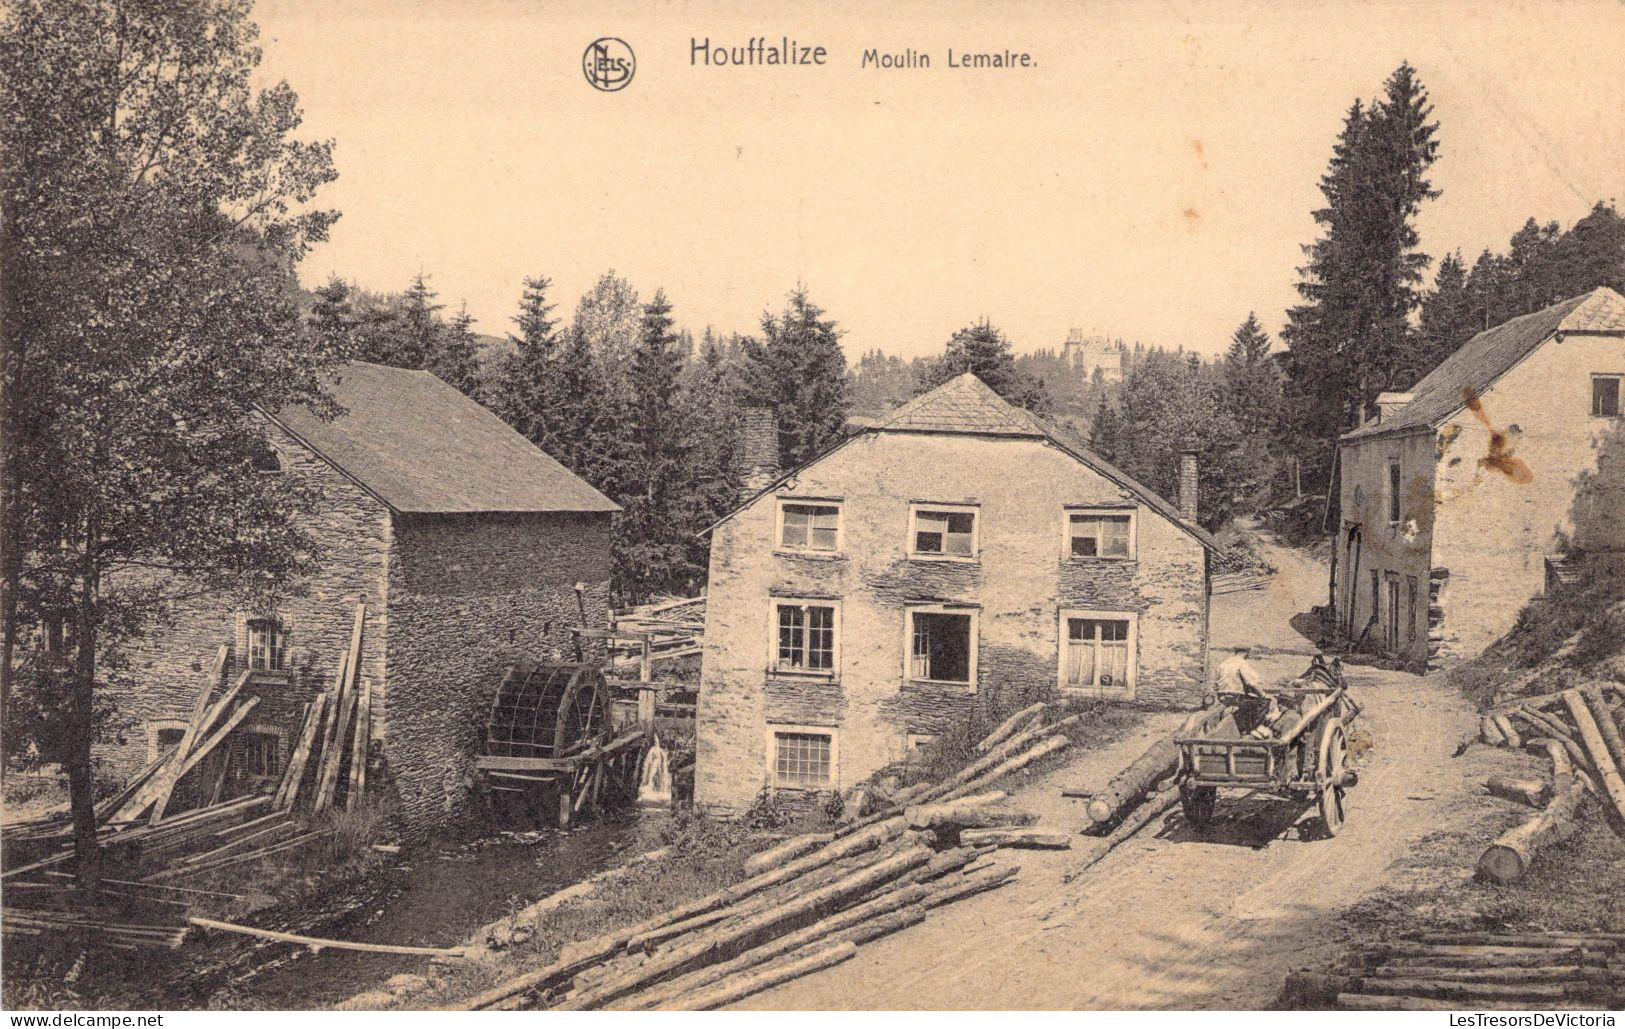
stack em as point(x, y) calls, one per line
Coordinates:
point(432, 896)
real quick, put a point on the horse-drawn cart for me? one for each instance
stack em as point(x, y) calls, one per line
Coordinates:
point(1291, 742)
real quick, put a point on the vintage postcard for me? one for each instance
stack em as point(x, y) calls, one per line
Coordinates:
point(684, 506)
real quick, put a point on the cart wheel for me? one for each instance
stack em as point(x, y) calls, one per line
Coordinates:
point(1197, 802)
point(1333, 766)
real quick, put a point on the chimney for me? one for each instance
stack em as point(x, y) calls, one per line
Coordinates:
point(1389, 403)
point(758, 448)
point(1187, 485)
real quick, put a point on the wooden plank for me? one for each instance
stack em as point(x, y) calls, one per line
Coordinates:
point(179, 766)
point(301, 756)
point(318, 943)
point(226, 848)
point(338, 727)
point(1607, 771)
point(495, 762)
point(235, 859)
point(358, 747)
point(287, 766)
point(219, 734)
point(194, 728)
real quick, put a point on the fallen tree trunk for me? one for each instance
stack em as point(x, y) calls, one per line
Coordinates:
point(1047, 747)
point(1520, 791)
point(1556, 939)
point(1560, 735)
point(773, 975)
point(1159, 761)
point(1534, 974)
point(1388, 1002)
point(1503, 723)
point(1607, 772)
point(1014, 837)
point(929, 816)
point(1009, 727)
point(1153, 806)
point(907, 896)
point(792, 848)
point(732, 937)
point(1490, 733)
point(1477, 956)
point(1605, 724)
point(1509, 857)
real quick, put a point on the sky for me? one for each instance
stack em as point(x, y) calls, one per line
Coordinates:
point(1150, 175)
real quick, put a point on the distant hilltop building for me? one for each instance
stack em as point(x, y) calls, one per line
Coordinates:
point(1087, 353)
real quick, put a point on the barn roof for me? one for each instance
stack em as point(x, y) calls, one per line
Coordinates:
point(1486, 357)
point(422, 447)
point(967, 406)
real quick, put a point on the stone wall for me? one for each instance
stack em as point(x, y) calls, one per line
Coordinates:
point(468, 594)
point(169, 665)
point(1017, 589)
point(1400, 551)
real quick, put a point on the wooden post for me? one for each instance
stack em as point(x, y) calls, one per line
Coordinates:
point(193, 730)
point(646, 695)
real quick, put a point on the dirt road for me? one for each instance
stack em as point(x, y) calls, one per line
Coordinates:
point(1173, 918)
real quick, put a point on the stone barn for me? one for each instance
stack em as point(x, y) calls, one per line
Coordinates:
point(468, 546)
point(1462, 498)
point(959, 552)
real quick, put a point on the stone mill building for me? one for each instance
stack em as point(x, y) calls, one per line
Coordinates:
point(958, 552)
point(468, 546)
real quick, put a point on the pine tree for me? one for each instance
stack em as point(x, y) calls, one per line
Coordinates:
point(984, 351)
point(456, 360)
point(798, 369)
point(1252, 383)
point(1348, 341)
point(1446, 321)
point(652, 549)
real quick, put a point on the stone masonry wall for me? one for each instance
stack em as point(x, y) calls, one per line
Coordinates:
point(168, 667)
point(468, 594)
point(1017, 588)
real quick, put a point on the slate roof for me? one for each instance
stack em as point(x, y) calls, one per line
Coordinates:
point(1489, 355)
point(421, 446)
point(967, 406)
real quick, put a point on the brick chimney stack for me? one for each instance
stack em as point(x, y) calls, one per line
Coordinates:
point(758, 448)
point(1187, 485)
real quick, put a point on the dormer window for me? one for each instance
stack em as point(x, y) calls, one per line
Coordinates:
point(267, 645)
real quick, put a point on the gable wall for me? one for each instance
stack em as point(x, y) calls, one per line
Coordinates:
point(1019, 586)
point(1493, 531)
point(1396, 551)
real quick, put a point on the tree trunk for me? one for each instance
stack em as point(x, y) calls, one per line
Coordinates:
point(1126, 787)
point(1520, 791)
point(1509, 857)
point(82, 720)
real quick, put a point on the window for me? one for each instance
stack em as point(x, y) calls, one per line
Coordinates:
point(1605, 396)
point(804, 636)
point(261, 753)
point(1376, 593)
point(1395, 500)
point(267, 645)
point(1099, 651)
point(804, 525)
point(169, 739)
point(941, 646)
point(803, 758)
point(1094, 534)
point(1411, 587)
point(942, 532)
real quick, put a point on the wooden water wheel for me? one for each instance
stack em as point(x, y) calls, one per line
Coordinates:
point(547, 731)
point(548, 711)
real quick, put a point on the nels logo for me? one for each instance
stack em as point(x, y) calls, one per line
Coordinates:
point(608, 64)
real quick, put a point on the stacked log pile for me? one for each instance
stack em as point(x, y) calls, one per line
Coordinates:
point(138, 828)
point(811, 900)
point(1580, 731)
point(806, 904)
point(1450, 971)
